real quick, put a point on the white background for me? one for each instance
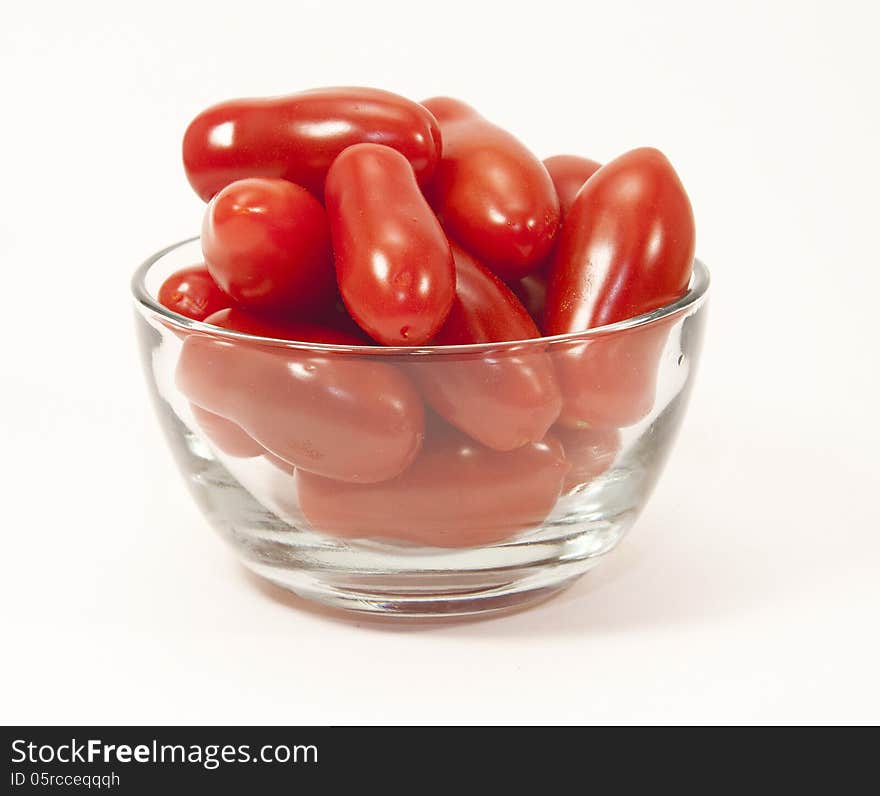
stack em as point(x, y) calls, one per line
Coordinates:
point(749, 589)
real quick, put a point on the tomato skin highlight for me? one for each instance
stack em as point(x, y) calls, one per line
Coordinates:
point(505, 399)
point(456, 494)
point(627, 247)
point(192, 292)
point(569, 173)
point(267, 245)
point(492, 194)
point(339, 416)
point(394, 266)
point(297, 137)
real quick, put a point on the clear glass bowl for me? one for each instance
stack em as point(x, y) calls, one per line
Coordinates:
point(394, 480)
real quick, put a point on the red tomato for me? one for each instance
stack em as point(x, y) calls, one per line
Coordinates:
point(456, 494)
point(505, 399)
point(627, 247)
point(335, 415)
point(485, 310)
point(297, 137)
point(193, 293)
point(491, 193)
point(610, 382)
point(233, 440)
point(569, 173)
point(267, 244)
point(227, 436)
point(306, 331)
point(589, 452)
point(532, 293)
point(393, 262)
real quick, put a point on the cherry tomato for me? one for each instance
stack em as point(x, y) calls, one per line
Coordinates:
point(569, 173)
point(393, 262)
point(267, 244)
point(333, 414)
point(589, 452)
point(491, 193)
point(193, 293)
point(532, 293)
point(456, 494)
point(297, 137)
point(227, 436)
point(505, 399)
point(627, 247)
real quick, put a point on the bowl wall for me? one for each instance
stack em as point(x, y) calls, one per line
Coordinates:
point(420, 482)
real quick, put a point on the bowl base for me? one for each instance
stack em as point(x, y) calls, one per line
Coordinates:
point(429, 599)
point(382, 577)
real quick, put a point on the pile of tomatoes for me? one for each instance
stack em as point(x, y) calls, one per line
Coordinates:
point(355, 217)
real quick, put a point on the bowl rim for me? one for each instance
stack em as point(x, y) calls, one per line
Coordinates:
point(695, 295)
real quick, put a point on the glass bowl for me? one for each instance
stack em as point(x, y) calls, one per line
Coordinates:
point(419, 481)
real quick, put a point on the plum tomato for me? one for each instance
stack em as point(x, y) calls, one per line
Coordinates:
point(227, 436)
point(393, 262)
point(233, 440)
point(492, 194)
point(297, 137)
point(485, 310)
point(457, 493)
point(626, 248)
point(504, 399)
point(569, 173)
point(267, 244)
point(304, 331)
point(610, 381)
point(192, 292)
point(337, 415)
